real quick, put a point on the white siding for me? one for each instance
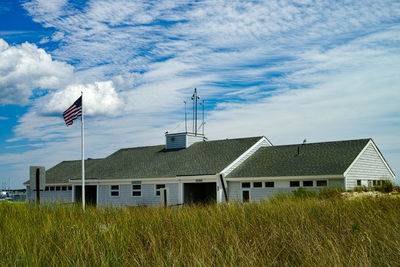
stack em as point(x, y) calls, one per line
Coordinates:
point(181, 140)
point(191, 139)
point(336, 183)
point(50, 196)
point(283, 186)
point(125, 198)
point(368, 166)
point(256, 194)
point(175, 141)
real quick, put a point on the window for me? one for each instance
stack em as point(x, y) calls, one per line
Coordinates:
point(245, 185)
point(269, 184)
point(374, 182)
point(46, 188)
point(58, 188)
point(257, 184)
point(322, 183)
point(114, 189)
point(64, 188)
point(51, 188)
point(69, 187)
point(308, 183)
point(158, 187)
point(294, 183)
point(245, 196)
point(358, 182)
point(136, 189)
point(379, 182)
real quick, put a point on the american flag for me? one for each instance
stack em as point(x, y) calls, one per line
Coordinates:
point(73, 112)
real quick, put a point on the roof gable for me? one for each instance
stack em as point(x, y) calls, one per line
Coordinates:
point(327, 158)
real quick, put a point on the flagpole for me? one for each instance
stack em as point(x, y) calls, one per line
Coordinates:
point(83, 154)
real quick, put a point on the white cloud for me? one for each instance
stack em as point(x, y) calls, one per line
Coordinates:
point(100, 98)
point(24, 68)
point(53, 8)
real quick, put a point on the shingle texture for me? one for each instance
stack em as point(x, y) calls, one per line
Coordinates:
point(328, 158)
point(202, 158)
point(63, 171)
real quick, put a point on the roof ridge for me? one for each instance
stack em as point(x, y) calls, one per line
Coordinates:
point(73, 160)
point(339, 141)
point(136, 147)
point(239, 138)
point(208, 141)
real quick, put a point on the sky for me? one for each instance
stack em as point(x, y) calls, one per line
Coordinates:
point(288, 70)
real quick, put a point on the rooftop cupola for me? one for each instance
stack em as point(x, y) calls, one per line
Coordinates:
point(182, 140)
point(186, 139)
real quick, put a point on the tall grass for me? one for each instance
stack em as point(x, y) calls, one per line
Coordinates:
point(287, 231)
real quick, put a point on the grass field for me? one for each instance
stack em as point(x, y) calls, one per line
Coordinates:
point(306, 231)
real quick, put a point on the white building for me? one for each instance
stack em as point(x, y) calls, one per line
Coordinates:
point(190, 169)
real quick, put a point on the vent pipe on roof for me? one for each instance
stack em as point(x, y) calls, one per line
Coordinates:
point(299, 146)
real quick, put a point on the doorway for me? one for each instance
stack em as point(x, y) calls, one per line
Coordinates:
point(90, 194)
point(199, 193)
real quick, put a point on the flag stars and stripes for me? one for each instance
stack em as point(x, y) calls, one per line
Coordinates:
point(73, 112)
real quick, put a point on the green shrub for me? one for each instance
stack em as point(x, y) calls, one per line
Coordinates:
point(386, 187)
point(360, 189)
point(303, 193)
point(330, 192)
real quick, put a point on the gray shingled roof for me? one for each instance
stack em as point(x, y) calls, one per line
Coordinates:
point(202, 158)
point(63, 171)
point(327, 158)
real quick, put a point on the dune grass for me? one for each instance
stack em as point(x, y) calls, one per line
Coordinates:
point(306, 231)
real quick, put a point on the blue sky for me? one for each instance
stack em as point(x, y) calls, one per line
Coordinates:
point(289, 70)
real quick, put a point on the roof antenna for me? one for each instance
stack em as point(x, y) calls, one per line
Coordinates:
point(193, 114)
point(195, 97)
point(185, 118)
point(202, 102)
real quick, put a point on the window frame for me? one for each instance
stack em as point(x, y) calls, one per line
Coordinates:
point(114, 190)
point(157, 190)
point(261, 184)
point(273, 184)
point(242, 187)
point(312, 183)
point(136, 190)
